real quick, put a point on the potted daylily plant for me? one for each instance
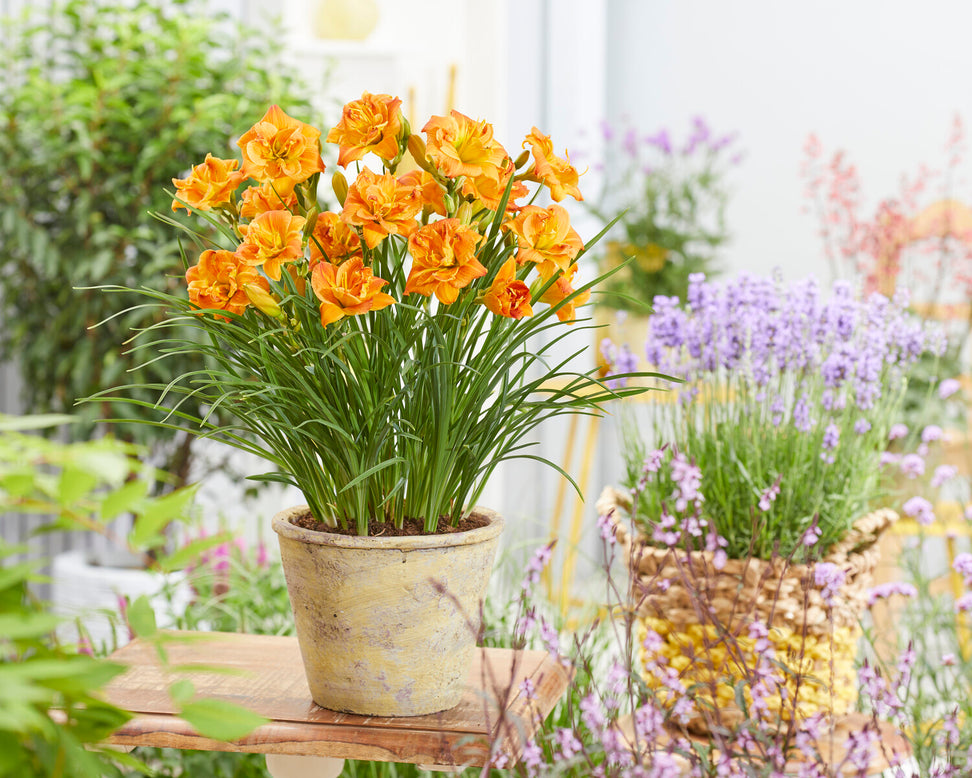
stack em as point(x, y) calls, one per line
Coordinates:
point(760, 482)
point(381, 356)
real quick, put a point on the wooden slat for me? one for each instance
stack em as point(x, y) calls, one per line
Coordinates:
point(265, 674)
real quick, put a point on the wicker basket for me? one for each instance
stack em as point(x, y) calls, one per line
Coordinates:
point(703, 616)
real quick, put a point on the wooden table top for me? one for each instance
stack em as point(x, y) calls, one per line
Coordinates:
point(267, 677)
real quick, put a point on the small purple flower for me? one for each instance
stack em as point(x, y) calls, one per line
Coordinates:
point(948, 387)
point(963, 566)
point(885, 590)
point(661, 141)
point(862, 426)
point(653, 461)
point(964, 603)
point(607, 529)
point(897, 431)
point(801, 415)
point(550, 638)
point(529, 689)
point(912, 465)
point(648, 722)
point(943, 474)
point(540, 559)
point(860, 746)
point(931, 433)
point(532, 757)
point(592, 714)
point(811, 536)
point(829, 577)
point(920, 510)
point(568, 743)
point(889, 458)
point(688, 478)
point(831, 437)
point(948, 660)
point(767, 498)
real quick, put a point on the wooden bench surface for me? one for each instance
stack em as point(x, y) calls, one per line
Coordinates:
point(267, 676)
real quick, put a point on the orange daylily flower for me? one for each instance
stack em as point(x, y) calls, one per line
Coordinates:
point(460, 146)
point(381, 205)
point(373, 123)
point(332, 240)
point(507, 295)
point(347, 290)
point(209, 184)
point(429, 190)
point(281, 149)
point(267, 197)
point(218, 279)
point(556, 173)
point(272, 239)
point(561, 289)
point(545, 235)
point(443, 259)
point(490, 191)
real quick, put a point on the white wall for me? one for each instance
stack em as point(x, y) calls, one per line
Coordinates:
point(878, 78)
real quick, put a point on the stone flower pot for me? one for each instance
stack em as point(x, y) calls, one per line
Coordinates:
point(387, 625)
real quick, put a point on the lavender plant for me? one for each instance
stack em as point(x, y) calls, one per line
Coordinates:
point(786, 407)
point(631, 705)
point(674, 195)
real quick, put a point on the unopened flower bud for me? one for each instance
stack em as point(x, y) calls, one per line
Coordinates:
point(264, 301)
point(451, 204)
point(465, 211)
point(340, 186)
point(522, 159)
point(416, 147)
point(311, 221)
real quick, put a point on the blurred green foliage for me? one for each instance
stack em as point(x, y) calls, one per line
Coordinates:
point(103, 103)
point(52, 718)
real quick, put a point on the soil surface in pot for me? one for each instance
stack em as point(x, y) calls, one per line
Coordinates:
point(384, 529)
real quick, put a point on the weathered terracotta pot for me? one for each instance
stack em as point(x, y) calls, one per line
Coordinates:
point(387, 625)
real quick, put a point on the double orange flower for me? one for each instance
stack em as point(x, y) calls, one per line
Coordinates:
point(463, 176)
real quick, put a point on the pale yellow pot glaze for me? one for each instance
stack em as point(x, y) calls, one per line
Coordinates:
point(387, 625)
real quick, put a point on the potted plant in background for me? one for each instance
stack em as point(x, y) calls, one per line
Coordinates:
point(673, 198)
point(785, 415)
point(382, 357)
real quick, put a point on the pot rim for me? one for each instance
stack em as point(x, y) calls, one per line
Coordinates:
point(285, 529)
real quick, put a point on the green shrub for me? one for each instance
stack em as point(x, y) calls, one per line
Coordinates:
point(102, 105)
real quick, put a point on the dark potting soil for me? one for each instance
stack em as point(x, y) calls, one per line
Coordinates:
point(380, 528)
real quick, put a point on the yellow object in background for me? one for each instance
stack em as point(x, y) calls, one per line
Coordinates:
point(349, 20)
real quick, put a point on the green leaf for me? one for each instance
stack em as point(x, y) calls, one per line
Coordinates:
point(181, 557)
point(73, 484)
point(34, 422)
point(154, 515)
point(18, 483)
point(141, 618)
point(220, 720)
point(123, 499)
point(18, 626)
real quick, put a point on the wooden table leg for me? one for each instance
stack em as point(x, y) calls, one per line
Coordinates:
point(296, 766)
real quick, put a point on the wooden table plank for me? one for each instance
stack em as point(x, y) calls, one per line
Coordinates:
point(266, 676)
